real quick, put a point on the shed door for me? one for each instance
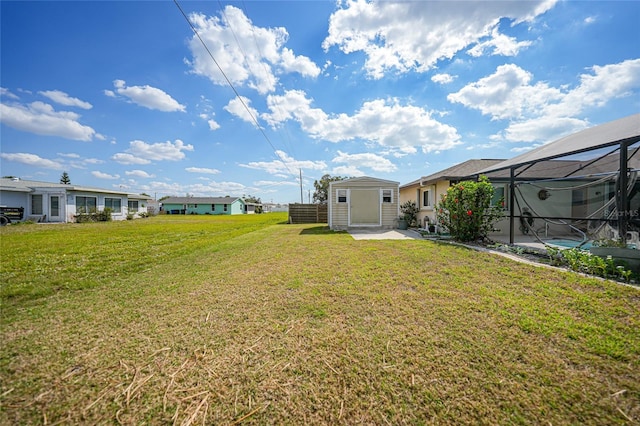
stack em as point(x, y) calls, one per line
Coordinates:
point(364, 207)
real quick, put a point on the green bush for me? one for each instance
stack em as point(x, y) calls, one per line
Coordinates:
point(410, 210)
point(95, 216)
point(466, 210)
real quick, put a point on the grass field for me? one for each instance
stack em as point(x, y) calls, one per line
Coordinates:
point(247, 320)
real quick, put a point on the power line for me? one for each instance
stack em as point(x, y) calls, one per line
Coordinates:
point(254, 119)
point(287, 140)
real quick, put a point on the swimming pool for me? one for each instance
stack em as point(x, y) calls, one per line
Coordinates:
point(565, 243)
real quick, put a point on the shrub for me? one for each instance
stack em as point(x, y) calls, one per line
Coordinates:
point(410, 212)
point(466, 210)
point(95, 216)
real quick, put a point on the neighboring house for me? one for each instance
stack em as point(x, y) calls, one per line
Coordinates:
point(273, 207)
point(56, 202)
point(207, 205)
point(363, 202)
point(428, 190)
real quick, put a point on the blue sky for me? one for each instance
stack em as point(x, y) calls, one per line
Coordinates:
point(124, 94)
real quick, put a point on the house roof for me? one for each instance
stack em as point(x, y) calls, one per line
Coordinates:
point(465, 169)
point(201, 200)
point(20, 185)
point(363, 179)
point(626, 129)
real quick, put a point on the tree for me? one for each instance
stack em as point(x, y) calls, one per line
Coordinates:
point(321, 195)
point(251, 199)
point(254, 200)
point(65, 179)
point(466, 210)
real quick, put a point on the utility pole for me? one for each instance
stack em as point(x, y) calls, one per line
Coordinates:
point(301, 196)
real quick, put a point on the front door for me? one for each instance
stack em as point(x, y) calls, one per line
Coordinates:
point(55, 214)
point(364, 207)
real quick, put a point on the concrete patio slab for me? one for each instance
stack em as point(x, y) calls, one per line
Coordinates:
point(384, 234)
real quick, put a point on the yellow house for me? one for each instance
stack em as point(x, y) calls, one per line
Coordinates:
point(428, 190)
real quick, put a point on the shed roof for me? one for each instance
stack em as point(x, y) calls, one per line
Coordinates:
point(626, 129)
point(363, 179)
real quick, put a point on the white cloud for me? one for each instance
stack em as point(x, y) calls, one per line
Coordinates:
point(93, 161)
point(213, 125)
point(202, 170)
point(198, 189)
point(443, 78)
point(124, 158)
point(40, 118)
point(349, 171)
point(146, 96)
point(62, 98)
point(6, 93)
point(237, 107)
point(140, 152)
point(300, 64)
point(539, 112)
point(31, 160)
point(101, 175)
point(372, 161)
point(285, 165)
point(69, 155)
point(248, 55)
point(264, 183)
point(139, 173)
point(545, 128)
point(405, 36)
point(500, 45)
point(385, 122)
point(507, 93)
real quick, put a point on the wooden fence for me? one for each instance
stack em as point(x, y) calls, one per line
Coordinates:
point(308, 213)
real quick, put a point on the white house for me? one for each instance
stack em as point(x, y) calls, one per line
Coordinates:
point(56, 202)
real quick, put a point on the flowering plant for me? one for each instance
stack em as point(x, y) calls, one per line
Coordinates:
point(466, 210)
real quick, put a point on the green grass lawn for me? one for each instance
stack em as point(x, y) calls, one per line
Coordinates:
point(248, 320)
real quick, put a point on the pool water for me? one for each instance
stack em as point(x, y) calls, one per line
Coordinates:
point(568, 243)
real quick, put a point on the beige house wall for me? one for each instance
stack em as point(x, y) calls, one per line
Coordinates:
point(416, 193)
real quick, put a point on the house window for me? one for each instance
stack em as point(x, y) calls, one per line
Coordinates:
point(115, 204)
point(387, 196)
point(226, 207)
point(86, 204)
point(213, 207)
point(132, 205)
point(36, 204)
point(499, 196)
point(427, 198)
point(342, 195)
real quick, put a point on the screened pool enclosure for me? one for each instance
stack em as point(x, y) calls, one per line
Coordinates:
point(577, 190)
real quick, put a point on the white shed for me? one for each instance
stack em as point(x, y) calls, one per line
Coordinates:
point(363, 202)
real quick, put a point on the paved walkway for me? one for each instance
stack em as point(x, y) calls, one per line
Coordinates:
point(384, 234)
